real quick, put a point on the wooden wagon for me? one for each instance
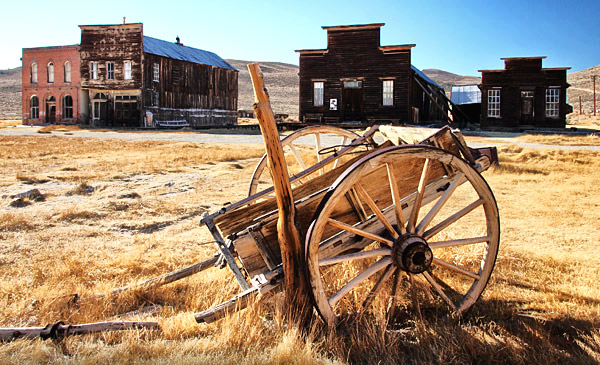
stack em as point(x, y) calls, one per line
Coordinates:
point(386, 222)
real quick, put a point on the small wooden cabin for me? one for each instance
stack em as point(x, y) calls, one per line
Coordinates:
point(357, 80)
point(135, 80)
point(524, 95)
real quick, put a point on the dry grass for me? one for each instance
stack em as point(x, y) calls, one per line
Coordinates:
point(9, 123)
point(592, 139)
point(142, 220)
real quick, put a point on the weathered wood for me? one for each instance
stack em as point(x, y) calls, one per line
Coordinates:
point(297, 289)
point(60, 330)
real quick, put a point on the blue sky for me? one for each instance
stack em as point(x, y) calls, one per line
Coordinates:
point(455, 36)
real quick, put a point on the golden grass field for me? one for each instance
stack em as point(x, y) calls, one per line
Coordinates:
point(118, 212)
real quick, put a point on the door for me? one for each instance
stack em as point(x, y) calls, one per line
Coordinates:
point(51, 110)
point(526, 108)
point(352, 100)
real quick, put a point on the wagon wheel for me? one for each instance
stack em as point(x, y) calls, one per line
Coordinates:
point(405, 227)
point(301, 149)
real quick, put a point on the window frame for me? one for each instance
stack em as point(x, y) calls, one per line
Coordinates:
point(93, 70)
point(34, 73)
point(67, 69)
point(67, 109)
point(110, 70)
point(318, 97)
point(127, 70)
point(156, 72)
point(552, 102)
point(387, 93)
point(32, 108)
point(494, 101)
point(50, 72)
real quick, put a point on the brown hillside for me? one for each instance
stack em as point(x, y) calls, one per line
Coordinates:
point(581, 85)
point(448, 79)
point(10, 93)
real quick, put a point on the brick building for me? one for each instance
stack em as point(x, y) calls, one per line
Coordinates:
point(51, 91)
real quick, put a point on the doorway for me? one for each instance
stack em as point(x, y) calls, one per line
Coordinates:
point(100, 108)
point(526, 108)
point(352, 100)
point(50, 110)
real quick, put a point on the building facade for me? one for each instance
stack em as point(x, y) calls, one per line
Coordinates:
point(51, 90)
point(524, 95)
point(357, 80)
point(133, 80)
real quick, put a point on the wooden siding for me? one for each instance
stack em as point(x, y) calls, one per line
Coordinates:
point(523, 75)
point(355, 54)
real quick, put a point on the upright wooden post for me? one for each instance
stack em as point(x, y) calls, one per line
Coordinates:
point(297, 287)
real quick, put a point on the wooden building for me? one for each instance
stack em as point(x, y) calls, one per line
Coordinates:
point(135, 80)
point(524, 95)
point(50, 86)
point(357, 80)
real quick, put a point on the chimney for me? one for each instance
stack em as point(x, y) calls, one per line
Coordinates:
point(178, 41)
point(124, 19)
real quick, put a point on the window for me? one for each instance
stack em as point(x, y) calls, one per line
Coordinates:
point(68, 107)
point(388, 92)
point(93, 70)
point(50, 72)
point(318, 93)
point(67, 71)
point(34, 73)
point(352, 84)
point(155, 72)
point(34, 108)
point(127, 70)
point(552, 102)
point(494, 103)
point(155, 99)
point(175, 74)
point(110, 70)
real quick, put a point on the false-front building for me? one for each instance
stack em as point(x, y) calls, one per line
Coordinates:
point(135, 80)
point(357, 80)
point(524, 95)
point(50, 85)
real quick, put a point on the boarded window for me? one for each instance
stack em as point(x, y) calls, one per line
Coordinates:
point(493, 103)
point(34, 108)
point(50, 72)
point(155, 72)
point(34, 70)
point(127, 70)
point(68, 107)
point(388, 92)
point(93, 70)
point(67, 71)
point(175, 74)
point(552, 102)
point(110, 71)
point(318, 93)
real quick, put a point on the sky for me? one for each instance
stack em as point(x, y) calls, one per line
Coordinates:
point(455, 36)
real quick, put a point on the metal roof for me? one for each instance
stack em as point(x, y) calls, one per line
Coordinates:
point(425, 77)
point(466, 94)
point(183, 53)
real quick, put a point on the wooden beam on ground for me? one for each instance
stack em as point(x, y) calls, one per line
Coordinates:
point(297, 287)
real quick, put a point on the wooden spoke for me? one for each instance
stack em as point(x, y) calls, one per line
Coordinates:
point(398, 276)
point(319, 148)
point(343, 143)
point(378, 285)
point(439, 290)
point(355, 256)
point(453, 218)
point(363, 193)
point(414, 214)
point(297, 156)
point(459, 242)
point(415, 299)
point(379, 265)
point(359, 232)
point(396, 197)
point(459, 179)
point(456, 268)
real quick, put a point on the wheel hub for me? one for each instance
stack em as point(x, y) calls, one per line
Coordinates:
point(412, 254)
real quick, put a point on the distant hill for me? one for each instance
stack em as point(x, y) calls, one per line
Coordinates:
point(448, 79)
point(10, 93)
point(581, 85)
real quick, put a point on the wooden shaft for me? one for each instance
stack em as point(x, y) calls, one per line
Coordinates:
point(61, 330)
point(297, 288)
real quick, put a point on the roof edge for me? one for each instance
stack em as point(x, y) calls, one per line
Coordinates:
point(107, 25)
point(522, 58)
point(400, 47)
point(311, 51)
point(353, 26)
point(51, 47)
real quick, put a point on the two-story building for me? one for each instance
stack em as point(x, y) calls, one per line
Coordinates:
point(51, 87)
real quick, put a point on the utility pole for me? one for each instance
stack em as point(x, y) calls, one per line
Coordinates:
point(594, 87)
point(579, 105)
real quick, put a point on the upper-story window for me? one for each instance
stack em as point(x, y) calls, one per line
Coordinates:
point(155, 71)
point(127, 70)
point(493, 109)
point(50, 72)
point(388, 92)
point(318, 88)
point(67, 71)
point(34, 73)
point(93, 70)
point(552, 102)
point(110, 70)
